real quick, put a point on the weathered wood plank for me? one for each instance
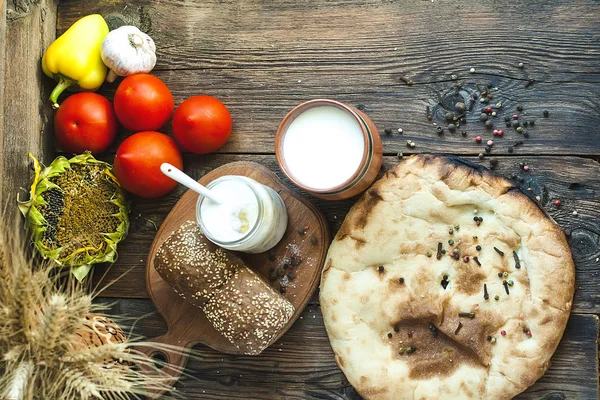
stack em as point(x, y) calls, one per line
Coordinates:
point(575, 181)
point(261, 60)
point(289, 369)
point(30, 28)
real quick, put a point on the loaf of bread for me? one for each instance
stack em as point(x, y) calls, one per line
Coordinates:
point(248, 312)
point(238, 303)
point(193, 265)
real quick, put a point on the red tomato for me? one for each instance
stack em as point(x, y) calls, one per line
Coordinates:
point(202, 124)
point(85, 121)
point(143, 103)
point(137, 163)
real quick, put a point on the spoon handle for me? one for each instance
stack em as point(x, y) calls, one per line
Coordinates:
point(180, 176)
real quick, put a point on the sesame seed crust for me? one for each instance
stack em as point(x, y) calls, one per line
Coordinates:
point(194, 266)
point(238, 303)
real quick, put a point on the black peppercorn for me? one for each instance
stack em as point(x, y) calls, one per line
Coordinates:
point(451, 127)
point(493, 161)
point(511, 149)
point(388, 131)
point(508, 124)
point(525, 124)
point(464, 133)
point(507, 119)
point(396, 329)
point(483, 117)
point(313, 240)
point(532, 122)
point(478, 248)
point(519, 107)
point(489, 124)
point(380, 268)
point(291, 275)
point(526, 134)
point(487, 149)
point(516, 124)
point(401, 280)
point(390, 335)
point(546, 113)
point(448, 116)
point(282, 289)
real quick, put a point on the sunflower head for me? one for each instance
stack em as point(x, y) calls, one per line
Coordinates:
point(76, 212)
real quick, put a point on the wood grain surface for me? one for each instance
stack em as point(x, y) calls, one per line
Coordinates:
point(28, 31)
point(390, 58)
point(263, 58)
point(301, 365)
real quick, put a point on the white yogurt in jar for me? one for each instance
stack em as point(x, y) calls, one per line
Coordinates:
point(323, 147)
point(253, 219)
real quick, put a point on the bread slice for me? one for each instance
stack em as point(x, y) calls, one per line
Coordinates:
point(248, 312)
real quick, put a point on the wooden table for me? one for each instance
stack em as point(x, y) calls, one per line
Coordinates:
point(393, 59)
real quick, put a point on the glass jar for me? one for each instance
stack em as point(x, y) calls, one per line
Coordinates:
point(253, 220)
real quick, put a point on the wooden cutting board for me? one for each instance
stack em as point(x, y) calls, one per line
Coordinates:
point(307, 236)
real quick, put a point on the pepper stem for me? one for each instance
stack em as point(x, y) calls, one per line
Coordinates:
point(58, 89)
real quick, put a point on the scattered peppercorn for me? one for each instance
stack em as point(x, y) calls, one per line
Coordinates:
point(464, 133)
point(496, 297)
point(519, 107)
point(451, 127)
point(380, 268)
point(546, 113)
point(409, 333)
point(396, 329)
point(433, 330)
point(480, 156)
point(532, 122)
point(489, 124)
point(503, 332)
point(478, 139)
point(390, 335)
point(439, 130)
point(478, 248)
point(429, 254)
point(516, 124)
point(557, 203)
point(519, 129)
point(483, 117)
point(493, 161)
point(526, 134)
point(388, 131)
point(313, 240)
point(450, 242)
point(401, 280)
point(521, 65)
point(400, 155)
point(466, 259)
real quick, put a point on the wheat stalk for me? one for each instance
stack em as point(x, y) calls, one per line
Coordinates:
point(43, 318)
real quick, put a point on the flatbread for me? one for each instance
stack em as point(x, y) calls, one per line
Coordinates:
point(406, 325)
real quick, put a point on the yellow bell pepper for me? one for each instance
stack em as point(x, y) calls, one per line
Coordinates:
point(74, 58)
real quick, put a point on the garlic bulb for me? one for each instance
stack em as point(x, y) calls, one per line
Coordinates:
point(127, 51)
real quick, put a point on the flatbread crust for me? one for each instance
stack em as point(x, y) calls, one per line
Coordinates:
point(399, 330)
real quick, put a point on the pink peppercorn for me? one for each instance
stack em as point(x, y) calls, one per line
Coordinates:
point(503, 332)
point(490, 142)
point(557, 203)
point(475, 306)
point(410, 333)
point(495, 132)
point(488, 109)
point(500, 132)
point(478, 139)
point(466, 259)
point(515, 116)
point(526, 168)
point(529, 333)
